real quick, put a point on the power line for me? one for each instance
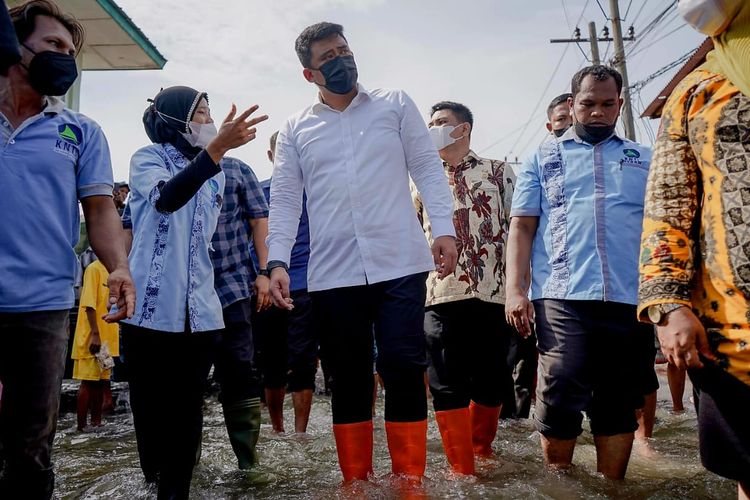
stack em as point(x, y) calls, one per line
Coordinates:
point(650, 27)
point(638, 14)
point(602, 9)
point(541, 97)
point(505, 137)
point(627, 11)
point(639, 85)
point(678, 28)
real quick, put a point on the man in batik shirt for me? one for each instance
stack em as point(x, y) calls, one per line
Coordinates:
point(695, 261)
point(467, 339)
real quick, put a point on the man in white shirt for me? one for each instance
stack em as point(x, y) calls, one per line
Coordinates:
point(352, 151)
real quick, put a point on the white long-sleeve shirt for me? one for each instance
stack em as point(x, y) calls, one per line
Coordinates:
point(354, 166)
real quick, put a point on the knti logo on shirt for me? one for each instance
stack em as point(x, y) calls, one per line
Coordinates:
point(631, 157)
point(69, 140)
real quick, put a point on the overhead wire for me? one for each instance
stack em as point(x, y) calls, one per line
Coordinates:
point(602, 9)
point(534, 115)
point(627, 11)
point(638, 14)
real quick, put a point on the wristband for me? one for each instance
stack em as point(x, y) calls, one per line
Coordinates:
point(276, 263)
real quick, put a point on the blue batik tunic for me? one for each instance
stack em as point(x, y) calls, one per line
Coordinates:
point(170, 259)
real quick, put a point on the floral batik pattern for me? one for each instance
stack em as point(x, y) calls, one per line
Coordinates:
point(696, 229)
point(482, 190)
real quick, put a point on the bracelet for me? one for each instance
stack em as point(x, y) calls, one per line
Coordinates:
point(271, 265)
point(264, 272)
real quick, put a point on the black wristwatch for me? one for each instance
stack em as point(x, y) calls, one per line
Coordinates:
point(264, 272)
point(274, 264)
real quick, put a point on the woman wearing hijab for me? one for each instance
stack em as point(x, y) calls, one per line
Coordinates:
point(177, 186)
point(695, 276)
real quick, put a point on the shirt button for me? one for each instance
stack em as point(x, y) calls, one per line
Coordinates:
point(12, 141)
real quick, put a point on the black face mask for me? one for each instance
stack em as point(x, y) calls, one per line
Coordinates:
point(340, 74)
point(559, 133)
point(594, 134)
point(51, 73)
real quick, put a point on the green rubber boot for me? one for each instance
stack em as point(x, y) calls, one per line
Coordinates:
point(243, 426)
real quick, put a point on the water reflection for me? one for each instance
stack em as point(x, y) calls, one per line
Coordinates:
point(105, 464)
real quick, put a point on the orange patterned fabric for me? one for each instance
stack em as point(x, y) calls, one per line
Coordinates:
point(696, 227)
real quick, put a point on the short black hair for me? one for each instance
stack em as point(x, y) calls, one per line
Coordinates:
point(562, 98)
point(600, 73)
point(463, 113)
point(24, 20)
point(273, 141)
point(312, 34)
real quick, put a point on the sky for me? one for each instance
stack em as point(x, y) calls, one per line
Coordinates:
point(492, 55)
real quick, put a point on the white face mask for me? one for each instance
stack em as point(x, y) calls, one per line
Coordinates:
point(710, 17)
point(441, 136)
point(201, 134)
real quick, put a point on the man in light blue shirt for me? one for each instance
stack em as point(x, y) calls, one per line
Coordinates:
point(50, 159)
point(576, 219)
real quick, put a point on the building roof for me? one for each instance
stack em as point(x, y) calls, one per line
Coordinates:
point(654, 109)
point(113, 41)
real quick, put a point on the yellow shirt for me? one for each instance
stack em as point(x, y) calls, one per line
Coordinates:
point(696, 226)
point(482, 192)
point(94, 294)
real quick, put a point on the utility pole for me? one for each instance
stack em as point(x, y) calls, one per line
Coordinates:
point(619, 61)
point(594, 43)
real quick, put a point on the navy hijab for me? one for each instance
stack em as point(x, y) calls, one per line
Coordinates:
point(168, 117)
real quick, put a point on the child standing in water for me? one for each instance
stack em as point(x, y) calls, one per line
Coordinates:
point(92, 332)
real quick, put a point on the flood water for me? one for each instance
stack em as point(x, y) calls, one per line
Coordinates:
point(105, 464)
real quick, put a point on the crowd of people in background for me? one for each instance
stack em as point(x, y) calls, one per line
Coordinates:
point(384, 249)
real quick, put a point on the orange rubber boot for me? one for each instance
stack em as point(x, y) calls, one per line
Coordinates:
point(407, 443)
point(354, 447)
point(484, 421)
point(455, 429)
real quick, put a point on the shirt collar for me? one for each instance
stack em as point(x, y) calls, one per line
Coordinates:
point(362, 94)
point(570, 134)
point(53, 105)
point(471, 157)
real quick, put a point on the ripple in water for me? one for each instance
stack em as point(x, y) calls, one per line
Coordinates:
point(104, 465)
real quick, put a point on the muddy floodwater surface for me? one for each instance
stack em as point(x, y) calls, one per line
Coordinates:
point(104, 464)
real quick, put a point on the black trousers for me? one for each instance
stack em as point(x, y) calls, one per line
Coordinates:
point(167, 373)
point(587, 362)
point(522, 363)
point(723, 433)
point(234, 364)
point(467, 342)
point(394, 311)
point(32, 361)
point(288, 345)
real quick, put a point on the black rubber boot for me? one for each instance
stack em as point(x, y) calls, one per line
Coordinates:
point(243, 426)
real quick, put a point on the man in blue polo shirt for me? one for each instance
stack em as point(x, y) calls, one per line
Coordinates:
point(576, 219)
point(50, 159)
point(287, 340)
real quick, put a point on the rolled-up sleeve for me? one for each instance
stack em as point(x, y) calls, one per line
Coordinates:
point(94, 169)
point(426, 169)
point(286, 197)
point(527, 194)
